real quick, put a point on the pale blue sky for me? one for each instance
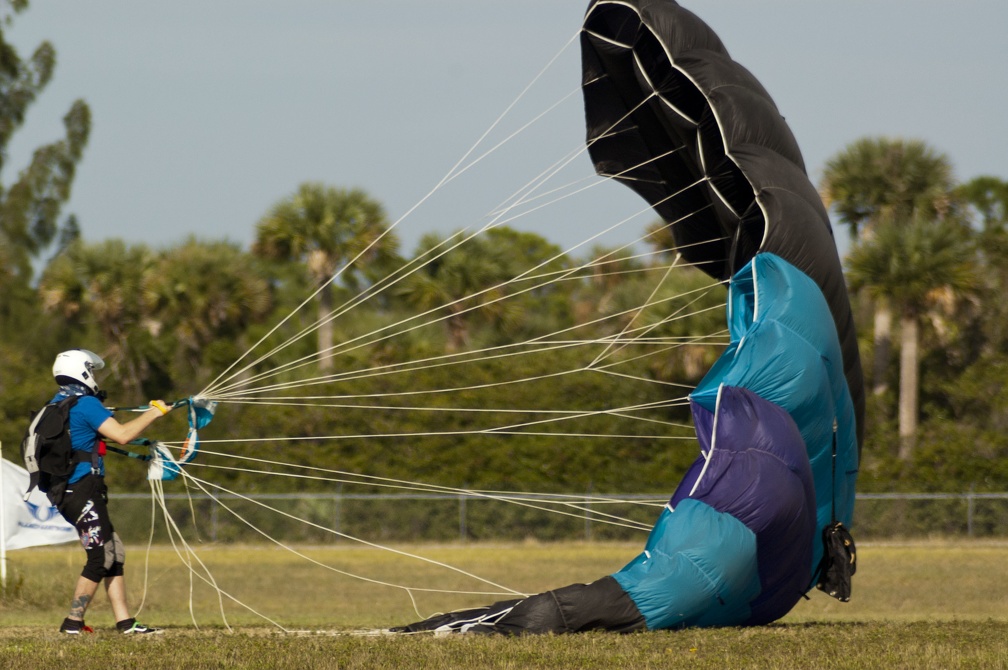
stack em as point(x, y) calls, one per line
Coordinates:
point(207, 112)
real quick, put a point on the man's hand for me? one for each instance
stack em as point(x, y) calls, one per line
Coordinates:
point(161, 406)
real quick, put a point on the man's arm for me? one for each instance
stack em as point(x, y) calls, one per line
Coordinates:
point(121, 433)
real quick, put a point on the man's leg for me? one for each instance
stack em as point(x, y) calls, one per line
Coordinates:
point(84, 505)
point(83, 595)
point(77, 507)
point(115, 586)
point(116, 589)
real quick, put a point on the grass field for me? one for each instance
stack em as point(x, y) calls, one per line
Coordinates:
point(919, 605)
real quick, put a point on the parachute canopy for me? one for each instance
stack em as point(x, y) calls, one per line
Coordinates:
point(779, 416)
point(671, 115)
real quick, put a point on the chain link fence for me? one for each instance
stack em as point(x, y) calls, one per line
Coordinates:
point(331, 518)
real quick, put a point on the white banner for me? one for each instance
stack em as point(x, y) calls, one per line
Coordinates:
point(28, 523)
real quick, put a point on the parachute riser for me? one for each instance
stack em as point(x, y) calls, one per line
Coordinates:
point(131, 454)
point(144, 408)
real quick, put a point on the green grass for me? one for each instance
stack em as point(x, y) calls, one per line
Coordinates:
point(922, 605)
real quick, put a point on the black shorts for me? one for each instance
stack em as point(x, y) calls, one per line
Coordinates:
point(85, 507)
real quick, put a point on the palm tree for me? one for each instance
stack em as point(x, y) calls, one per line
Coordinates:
point(340, 236)
point(913, 266)
point(101, 284)
point(201, 294)
point(883, 181)
point(987, 197)
point(470, 280)
point(986, 201)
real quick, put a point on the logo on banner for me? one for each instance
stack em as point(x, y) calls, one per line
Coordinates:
point(42, 513)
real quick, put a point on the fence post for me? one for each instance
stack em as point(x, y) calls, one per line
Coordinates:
point(969, 512)
point(3, 528)
point(463, 530)
point(338, 511)
point(213, 518)
point(212, 501)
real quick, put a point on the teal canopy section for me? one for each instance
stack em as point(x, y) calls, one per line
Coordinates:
point(784, 347)
point(698, 568)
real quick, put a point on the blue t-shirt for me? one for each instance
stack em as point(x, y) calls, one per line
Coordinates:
point(85, 417)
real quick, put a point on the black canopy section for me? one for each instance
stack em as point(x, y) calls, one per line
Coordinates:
point(672, 116)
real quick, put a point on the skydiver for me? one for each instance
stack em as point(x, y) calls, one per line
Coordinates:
point(84, 502)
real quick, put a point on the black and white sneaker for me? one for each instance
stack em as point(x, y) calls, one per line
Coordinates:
point(74, 627)
point(137, 628)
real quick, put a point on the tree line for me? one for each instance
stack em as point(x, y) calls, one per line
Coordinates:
point(927, 270)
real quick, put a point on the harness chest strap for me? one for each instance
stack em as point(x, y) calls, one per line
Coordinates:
point(81, 456)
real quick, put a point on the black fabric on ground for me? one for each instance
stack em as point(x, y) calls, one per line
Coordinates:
point(601, 605)
point(458, 617)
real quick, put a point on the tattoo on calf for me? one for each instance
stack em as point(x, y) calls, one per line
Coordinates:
point(79, 606)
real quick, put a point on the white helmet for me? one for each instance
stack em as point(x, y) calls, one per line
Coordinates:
point(77, 366)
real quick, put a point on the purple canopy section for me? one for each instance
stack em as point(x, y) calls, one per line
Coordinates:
point(754, 467)
point(734, 545)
